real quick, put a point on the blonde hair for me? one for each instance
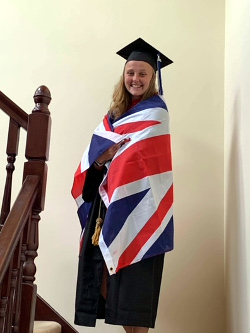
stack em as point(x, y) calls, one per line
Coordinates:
point(121, 97)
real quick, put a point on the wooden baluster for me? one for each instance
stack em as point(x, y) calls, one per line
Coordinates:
point(17, 284)
point(29, 268)
point(10, 279)
point(11, 303)
point(4, 301)
point(11, 151)
point(18, 296)
point(37, 151)
point(3, 307)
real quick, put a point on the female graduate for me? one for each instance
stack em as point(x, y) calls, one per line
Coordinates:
point(124, 191)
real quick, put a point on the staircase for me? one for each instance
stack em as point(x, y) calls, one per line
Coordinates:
point(21, 309)
point(47, 327)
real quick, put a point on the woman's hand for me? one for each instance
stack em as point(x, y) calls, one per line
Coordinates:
point(110, 152)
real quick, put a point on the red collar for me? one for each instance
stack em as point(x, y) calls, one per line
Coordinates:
point(133, 103)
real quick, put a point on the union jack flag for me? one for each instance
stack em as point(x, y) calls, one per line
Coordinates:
point(137, 188)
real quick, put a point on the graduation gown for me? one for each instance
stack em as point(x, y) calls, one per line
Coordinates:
point(132, 293)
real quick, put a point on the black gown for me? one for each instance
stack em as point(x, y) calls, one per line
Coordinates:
point(132, 293)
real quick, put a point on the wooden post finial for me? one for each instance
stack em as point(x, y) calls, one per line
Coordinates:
point(42, 98)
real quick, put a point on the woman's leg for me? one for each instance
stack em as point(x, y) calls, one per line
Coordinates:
point(135, 329)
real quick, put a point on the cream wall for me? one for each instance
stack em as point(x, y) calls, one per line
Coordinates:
point(237, 164)
point(70, 47)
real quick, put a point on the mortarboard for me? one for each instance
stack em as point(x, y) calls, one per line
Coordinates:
point(139, 50)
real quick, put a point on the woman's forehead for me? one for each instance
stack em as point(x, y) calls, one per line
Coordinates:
point(138, 65)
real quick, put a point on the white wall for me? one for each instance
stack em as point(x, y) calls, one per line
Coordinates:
point(70, 47)
point(237, 164)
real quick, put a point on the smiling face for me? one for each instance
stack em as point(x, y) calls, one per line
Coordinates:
point(137, 77)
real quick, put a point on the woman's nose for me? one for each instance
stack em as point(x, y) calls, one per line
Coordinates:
point(136, 77)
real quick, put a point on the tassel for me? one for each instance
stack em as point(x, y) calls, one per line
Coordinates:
point(98, 227)
point(159, 74)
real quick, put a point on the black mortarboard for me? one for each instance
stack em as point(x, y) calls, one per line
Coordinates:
point(140, 50)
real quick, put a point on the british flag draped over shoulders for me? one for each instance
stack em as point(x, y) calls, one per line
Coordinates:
point(137, 188)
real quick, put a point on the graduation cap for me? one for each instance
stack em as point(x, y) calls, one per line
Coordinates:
point(139, 50)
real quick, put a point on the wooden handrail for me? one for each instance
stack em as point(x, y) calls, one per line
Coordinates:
point(13, 111)
point(10, 236)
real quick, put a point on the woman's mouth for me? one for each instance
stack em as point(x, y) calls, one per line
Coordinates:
point(136, 85)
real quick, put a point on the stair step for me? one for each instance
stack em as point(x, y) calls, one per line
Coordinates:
point(46, 327)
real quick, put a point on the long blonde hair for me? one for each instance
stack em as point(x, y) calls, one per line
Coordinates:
point(121, 97)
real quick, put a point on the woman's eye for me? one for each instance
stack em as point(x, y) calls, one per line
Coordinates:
point(143, 74)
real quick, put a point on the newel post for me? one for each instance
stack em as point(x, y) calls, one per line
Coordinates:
point(38, 139)
point(37, 153)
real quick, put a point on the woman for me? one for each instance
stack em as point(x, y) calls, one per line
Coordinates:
point(123, 188)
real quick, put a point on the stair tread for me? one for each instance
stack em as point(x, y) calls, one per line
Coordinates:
point(46, 327)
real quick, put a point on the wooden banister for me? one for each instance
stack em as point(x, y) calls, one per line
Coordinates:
point(19, 302)
point(19, 234)
point(9, 236)
point(14, 239)
point(13, 111)
point(12, 150)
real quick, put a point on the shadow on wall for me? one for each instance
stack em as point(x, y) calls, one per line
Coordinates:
point(235, 269)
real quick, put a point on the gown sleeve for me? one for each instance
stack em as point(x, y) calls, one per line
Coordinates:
point(92, 182)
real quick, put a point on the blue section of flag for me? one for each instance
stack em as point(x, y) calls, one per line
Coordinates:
point(120, 211)
point(98, 146)
point(164, 243)
point(83, 212)
point(155, 101)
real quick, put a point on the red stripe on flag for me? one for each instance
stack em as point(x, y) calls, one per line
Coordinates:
point(81, 242)
point(145, 158)
point(106, 123)
point(147, 231)
point(135, 127)
point(78, 171)
point(78, 183)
